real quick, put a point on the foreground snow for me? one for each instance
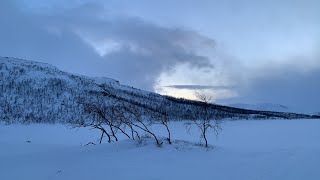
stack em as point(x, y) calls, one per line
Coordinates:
point(271, 150)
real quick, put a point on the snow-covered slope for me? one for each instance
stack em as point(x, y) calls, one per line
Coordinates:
point(38, 92)
point(33, 91)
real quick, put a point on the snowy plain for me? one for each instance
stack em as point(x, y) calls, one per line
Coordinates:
point(244, 150)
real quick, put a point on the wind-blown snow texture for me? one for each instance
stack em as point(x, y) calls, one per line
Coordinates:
point(249, 150)
point(37, 92)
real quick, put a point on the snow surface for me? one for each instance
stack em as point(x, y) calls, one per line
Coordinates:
point(245, 149)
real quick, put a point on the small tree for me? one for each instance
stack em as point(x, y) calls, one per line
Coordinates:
point(105, 119)
point(138, 122)
point(117, 114)
point(206, 118)
point(161, 116)
point(126, 118)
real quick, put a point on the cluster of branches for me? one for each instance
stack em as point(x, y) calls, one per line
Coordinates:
point(118, 117)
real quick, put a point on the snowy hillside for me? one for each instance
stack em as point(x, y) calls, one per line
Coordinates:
point(32, 91)
point(38, 92)
point(245, 150)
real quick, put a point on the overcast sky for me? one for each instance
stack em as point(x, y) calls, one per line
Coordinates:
point(238, 51)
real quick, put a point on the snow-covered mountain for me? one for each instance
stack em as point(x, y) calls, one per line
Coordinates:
point(38, 92)
point(33, 91)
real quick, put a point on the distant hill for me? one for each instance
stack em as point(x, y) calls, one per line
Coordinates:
point(262, 107)
point(38, 92)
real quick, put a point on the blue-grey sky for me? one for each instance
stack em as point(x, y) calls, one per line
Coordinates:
point(236, 50)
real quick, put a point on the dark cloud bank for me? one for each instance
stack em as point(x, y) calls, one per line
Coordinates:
point(143, 50)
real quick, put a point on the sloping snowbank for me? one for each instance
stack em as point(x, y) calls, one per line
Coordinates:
point(271, 149)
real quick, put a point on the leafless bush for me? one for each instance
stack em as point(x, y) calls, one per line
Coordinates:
point(104, 118)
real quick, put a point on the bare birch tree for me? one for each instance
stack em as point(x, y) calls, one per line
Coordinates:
point(207, 118)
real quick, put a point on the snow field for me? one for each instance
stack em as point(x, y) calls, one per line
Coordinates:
point(252, 149)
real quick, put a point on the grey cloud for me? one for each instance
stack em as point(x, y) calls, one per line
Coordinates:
point(198, 87)
point(24, 36)
point(145, 49)
point(283, 85)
